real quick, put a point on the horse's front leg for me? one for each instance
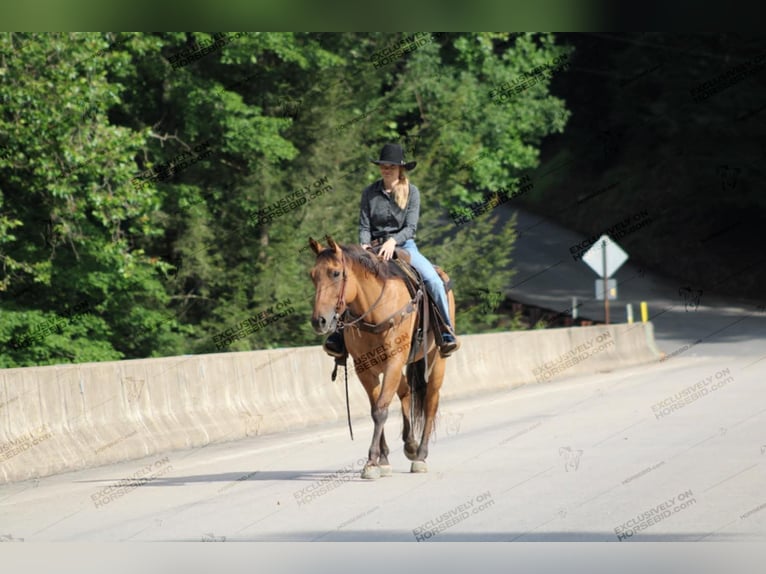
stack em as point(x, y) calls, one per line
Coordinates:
point(380, 398)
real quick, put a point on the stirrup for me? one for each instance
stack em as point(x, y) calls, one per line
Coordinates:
point(446, 349)
point(339, 362)
point(339, 349)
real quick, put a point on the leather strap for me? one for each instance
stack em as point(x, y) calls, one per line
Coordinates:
point(386, 323)
point(342, 295)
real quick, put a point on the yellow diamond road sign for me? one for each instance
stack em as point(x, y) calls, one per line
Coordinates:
point(615, 256)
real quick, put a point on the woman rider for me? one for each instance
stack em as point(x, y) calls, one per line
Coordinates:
point(388, 218)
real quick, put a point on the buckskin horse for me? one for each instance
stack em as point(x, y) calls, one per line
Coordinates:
point(368, 298)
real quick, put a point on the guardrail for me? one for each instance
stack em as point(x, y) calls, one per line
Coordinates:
point(65, 417)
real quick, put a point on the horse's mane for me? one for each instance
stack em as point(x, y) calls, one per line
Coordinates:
point(356, 255)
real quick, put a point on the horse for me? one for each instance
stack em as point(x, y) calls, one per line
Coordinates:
point(353, 285)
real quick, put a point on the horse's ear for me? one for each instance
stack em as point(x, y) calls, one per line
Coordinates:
point(331, 243)
point(315, 247)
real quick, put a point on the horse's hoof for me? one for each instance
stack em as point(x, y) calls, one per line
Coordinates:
point(386, 470)
point(411, 453)
point(419, 466)
point(371, 472)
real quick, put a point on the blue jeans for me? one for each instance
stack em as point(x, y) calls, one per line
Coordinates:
point(434, 283)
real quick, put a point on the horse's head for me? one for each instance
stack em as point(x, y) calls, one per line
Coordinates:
point(334, 285)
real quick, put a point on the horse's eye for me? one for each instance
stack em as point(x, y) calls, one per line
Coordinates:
point(336, 274)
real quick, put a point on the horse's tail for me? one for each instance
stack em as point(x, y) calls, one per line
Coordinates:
point(416, 377)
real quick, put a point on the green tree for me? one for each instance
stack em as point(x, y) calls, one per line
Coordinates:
point(135, 184)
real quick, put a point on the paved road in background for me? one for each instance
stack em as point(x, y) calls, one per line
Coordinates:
point(548, 276)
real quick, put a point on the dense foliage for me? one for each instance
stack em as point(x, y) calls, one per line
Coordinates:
point(136, 169)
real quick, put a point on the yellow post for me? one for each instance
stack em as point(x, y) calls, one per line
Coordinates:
point(644, 312)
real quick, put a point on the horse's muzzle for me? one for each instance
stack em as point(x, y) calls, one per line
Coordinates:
point(322, 325)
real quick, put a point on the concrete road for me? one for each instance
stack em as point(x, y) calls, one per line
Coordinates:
point(672, 451)
point(686, 318)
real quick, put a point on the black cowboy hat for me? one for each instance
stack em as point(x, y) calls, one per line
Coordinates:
point(394, 154)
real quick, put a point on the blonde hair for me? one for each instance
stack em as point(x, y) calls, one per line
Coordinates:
point(401, 189)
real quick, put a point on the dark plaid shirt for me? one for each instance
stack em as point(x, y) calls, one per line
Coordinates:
point(381, 218)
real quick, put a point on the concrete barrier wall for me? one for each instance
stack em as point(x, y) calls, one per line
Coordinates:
point(62, 418)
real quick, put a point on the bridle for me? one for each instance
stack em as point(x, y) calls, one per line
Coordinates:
point(342, 300)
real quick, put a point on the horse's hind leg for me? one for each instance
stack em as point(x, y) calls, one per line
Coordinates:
point(410, 444)
point(431, 406)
